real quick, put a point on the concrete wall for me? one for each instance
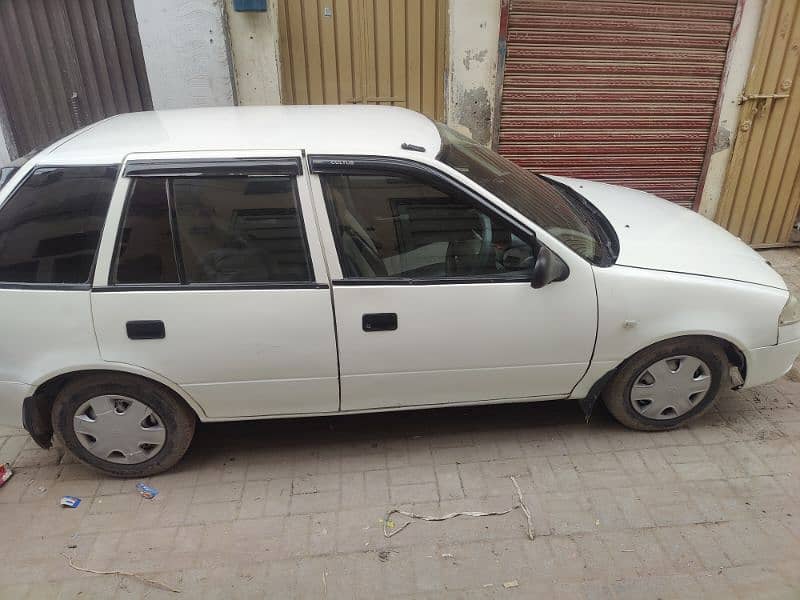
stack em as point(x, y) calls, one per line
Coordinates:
point(472, 77)
point(254, 46)
point(739, 58)
point(472, 72)
point(185, 52)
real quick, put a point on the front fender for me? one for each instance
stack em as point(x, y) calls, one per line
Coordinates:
point(640, 307)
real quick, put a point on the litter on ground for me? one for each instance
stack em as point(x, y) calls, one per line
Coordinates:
point(146, 491)
point(70, 501)
point(520, 505)
point(5, 473)
point(157, 584)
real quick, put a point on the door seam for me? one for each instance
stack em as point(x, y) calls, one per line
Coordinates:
point(94, 326)
point(596, 335)
point(307, 176)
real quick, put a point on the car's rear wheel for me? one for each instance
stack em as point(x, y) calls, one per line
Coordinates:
point(667, 384)
point(123, 425)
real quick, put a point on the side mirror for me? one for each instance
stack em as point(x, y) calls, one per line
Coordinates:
point(548, 268)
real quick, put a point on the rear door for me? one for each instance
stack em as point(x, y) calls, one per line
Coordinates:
point(211, 275)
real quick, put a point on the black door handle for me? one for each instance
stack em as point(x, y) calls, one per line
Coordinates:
point(379, 322)
point(146, 330)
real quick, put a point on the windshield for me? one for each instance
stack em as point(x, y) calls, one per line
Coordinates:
point(562, 212)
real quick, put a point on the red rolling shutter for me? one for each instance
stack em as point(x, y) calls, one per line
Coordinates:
point(622, 91)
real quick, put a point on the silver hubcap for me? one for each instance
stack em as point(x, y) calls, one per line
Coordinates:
point(119, 429)
point(670, 387)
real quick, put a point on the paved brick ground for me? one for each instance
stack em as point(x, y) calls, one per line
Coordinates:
point(293, 508)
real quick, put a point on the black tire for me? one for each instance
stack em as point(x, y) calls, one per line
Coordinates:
point(616, 396)
point(177, 418)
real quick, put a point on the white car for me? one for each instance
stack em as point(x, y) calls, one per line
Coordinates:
point(246, 263)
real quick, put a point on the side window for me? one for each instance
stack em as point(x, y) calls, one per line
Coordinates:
point(208, 230)
point(397, 226)
point(146, 252)
point(240, 229)
point(50, 227)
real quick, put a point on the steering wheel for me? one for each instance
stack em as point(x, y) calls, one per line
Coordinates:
point(473, 256)
point(487, 252)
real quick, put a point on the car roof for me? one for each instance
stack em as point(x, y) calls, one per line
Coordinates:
point(339, 129)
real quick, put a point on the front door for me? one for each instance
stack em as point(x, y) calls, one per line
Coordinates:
point(215, 282)
point(434, 304)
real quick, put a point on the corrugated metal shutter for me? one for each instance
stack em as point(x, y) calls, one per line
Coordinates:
point(622, 91)
point(364, 51)
point(761, 197)
point(67, 63)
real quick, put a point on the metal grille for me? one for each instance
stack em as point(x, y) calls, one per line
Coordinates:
point(622, 91)
point(68, 63)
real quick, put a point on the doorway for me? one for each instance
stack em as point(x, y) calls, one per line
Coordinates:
point(761, 196)
point(390, 52)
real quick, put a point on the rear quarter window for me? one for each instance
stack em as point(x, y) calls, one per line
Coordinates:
point(50, 227)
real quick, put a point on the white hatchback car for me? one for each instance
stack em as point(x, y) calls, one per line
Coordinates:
point(243, 263)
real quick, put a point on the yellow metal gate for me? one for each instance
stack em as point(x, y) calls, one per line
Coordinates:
point(761, 196)
point(364, 51)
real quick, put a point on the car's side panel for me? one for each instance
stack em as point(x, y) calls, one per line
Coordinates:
point(464, 342)
point(43, 330)
point(100, 365)
point(639, 307)
point(459, 342)
point(238, 351)
point(595, 372)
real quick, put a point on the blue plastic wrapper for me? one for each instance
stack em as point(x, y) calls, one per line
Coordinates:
point(70, 501)
point(146, 491)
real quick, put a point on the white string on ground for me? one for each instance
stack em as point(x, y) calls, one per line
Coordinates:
point(396, 511)
point(524, 508)
point(158, 584)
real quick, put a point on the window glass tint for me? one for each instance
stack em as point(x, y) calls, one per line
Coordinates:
point(146, 253)
point(560, 210)
point(50, 228)
point(396, 226)
point(240, 230)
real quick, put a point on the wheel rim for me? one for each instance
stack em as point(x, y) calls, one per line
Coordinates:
point(119, 429)
point(670, 387)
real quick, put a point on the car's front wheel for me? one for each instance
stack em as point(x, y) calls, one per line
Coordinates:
point(122, 425)
point(667, 384)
